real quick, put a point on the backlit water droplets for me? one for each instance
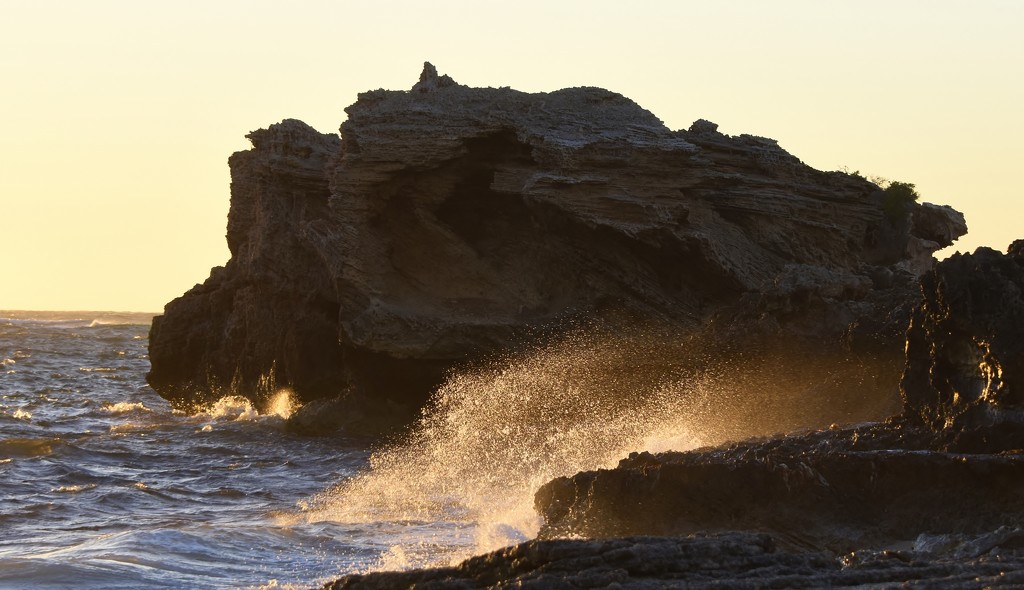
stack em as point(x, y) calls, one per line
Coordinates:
point(494, 434)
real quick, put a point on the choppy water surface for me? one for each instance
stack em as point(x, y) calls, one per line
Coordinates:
point(103, 486)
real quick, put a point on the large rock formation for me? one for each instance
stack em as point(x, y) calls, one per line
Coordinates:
point(450, 222)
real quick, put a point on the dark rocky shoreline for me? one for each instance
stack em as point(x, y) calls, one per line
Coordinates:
point(726, 560)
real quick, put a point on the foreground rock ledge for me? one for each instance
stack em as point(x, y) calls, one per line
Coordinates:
point(734, 560)
point(448, 223)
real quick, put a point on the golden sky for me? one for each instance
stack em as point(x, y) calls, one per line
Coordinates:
point(118, 115)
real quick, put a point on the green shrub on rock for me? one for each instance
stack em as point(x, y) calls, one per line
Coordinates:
point(897, 197)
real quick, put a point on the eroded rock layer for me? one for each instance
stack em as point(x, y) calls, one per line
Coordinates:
point(448, 223)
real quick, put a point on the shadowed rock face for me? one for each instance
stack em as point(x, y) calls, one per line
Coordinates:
point(964, 376)
point(271, 312)
point(448, 223)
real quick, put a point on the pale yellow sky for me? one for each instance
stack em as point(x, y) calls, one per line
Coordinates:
point(117, 116)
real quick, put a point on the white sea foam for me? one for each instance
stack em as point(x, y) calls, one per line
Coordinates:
point(231, 407)
point(125, 408)
point(74, 489)
point(279, 406)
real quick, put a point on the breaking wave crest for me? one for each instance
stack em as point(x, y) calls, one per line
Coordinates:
point(280, 405)
point(125, 408)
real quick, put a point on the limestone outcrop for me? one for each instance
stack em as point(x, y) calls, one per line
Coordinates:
point(448, 223)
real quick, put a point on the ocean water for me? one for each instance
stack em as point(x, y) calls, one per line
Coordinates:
point(103, 485)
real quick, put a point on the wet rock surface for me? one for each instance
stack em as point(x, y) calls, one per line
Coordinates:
point(449, 223)
point(732, 560)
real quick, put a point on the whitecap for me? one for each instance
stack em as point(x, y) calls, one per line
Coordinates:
point(74, 489)
point(279, 406)
point(125, 407)
point(231, 407)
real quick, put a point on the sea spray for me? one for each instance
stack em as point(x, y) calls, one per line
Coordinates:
point(282, 404)
point(494, 434)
